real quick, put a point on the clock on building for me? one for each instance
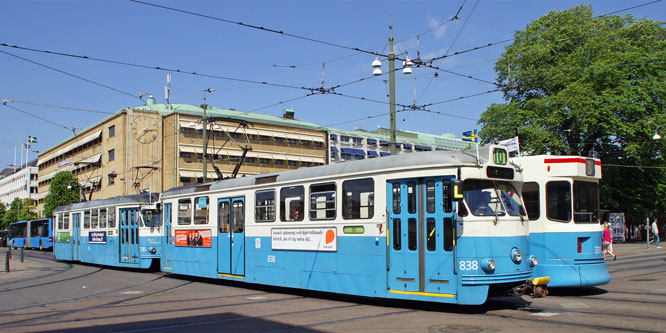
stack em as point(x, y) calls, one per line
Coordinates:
point(145, 129)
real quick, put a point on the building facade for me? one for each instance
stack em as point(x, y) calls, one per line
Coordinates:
point(21, 184)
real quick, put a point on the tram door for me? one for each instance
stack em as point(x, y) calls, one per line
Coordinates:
point(231, 236)
point(129, 235)
point(421, 236)
point(167, 240)
point(76, 236)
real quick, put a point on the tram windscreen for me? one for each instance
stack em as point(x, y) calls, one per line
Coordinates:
point(152, 218)
point(511, 199)
point(586, 202)
point(481, 198)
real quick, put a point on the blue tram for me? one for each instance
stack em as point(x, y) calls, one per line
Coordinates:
point(33, 234)
point(122, 231)
point(561, 195)
point(446, 227)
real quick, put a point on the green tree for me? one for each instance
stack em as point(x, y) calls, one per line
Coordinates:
point(20, 209)
point(579, 85)
point(64, 190)
point(3, 225)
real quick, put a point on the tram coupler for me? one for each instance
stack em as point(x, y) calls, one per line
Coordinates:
point(537, 287)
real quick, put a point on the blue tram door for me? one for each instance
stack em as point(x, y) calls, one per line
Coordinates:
point(231, 236)
point(76, 236)
point(167, 240)
point(129, 235)
point(421, 236)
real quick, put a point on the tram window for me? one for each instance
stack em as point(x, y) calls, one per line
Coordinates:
point(201, 210)
point(449, 234)
point(431, 235)
point(358, 201)
point(65, 223)
point(60, 221)
point(102, 218)
point(264, 206)
point(396, 198)
point(481, 197)
point(94, 217)
point(397, 234)
point(430, 196)
point(510, 199)
point(184, 211)
point(532, 202)
point(446, 197)
point(586, 202)
point(86, 220)
point(411, 234)
point(291, 203)
point(223, 216)
point(112, 217)
point(152, 218)
point(322, 201)
point(238, 216)
point(558, 201)
point(411, 198)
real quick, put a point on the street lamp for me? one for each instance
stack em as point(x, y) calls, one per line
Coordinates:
point(377, 71)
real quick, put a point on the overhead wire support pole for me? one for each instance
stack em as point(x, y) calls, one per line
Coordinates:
point(391, 59)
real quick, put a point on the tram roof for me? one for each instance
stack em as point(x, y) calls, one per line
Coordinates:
point(128, 199)
point(451, 157)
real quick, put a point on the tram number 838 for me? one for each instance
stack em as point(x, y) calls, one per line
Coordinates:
point(469, 265)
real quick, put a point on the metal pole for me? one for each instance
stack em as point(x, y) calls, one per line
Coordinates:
point(21, 254)
point(10, 250)
point(391, 59)
point(647, 232)
point(7, 261)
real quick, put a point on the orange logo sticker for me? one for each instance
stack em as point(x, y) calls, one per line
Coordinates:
point(330, 236)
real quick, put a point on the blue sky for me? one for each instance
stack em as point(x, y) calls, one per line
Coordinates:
point(131, 32)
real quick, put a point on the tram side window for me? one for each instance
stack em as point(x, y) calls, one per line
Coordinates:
point(264, 206)
point(411, 234)
point(112, 218)
point(431, 234)
point(430, 196)
point(223, 216)
point(396, 199)
point(86, 219)
point(397, 235)
point(102, 218)
point(201, 210)
point(359, 199)
point(184, 211)
point(322, 201)
point(291, 203)
point(532, 202)
point(411, 198)
point(558, 199)
point(94, 218)
point(60, 221)
point(446, 197)
point(586, 202)
point(65, 223)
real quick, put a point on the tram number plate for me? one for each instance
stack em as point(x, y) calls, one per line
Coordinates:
point(597, 249)
point(469, 265)
point(271, 258)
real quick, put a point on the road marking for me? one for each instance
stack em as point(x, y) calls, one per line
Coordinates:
point(131, 292)
point(545, 314)
point(256, 297)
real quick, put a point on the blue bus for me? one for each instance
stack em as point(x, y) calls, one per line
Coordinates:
point(445, 226)
point(561, 195)
point(121, 231)
point(34, 234)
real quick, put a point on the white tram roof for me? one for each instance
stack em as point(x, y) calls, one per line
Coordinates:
point(422, 159)
point(123, 200)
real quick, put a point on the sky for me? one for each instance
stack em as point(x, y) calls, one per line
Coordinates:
point(257, 70)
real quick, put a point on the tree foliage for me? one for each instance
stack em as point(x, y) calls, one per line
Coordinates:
point(579, 85)
point(19, 210)
point(3, 210)
point(59, 193)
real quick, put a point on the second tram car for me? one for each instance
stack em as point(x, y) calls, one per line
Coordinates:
point(122, 231)
point(396, 227)
point(561, 195)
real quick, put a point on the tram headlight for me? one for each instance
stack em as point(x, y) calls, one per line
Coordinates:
point(488, 265)
point(516, 255)
point(153, 250)
point(533, 261)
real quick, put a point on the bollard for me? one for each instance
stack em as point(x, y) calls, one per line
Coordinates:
point(7, 262)
point(10, 252)
point(21, 254)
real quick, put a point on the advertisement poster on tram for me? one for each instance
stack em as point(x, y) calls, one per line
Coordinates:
point(198, 237)
point(97, 237)
point(305, 239)
point(616, 221)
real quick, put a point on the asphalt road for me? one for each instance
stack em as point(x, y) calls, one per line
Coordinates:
point(42, 294)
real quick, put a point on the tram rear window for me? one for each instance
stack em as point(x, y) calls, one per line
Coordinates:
point(184, 211)
point(558, 198)
point(586, 202)
point(532, 202)
point(358, 200)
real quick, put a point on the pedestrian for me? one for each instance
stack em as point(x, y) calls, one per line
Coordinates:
point(607, 242)
point(655, 231)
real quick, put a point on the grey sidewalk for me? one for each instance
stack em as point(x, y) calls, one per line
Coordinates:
point(635, 248)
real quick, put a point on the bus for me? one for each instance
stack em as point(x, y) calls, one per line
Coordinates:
point(34, 234)
point(442, 226)
point(561, 195)
point(122, 231)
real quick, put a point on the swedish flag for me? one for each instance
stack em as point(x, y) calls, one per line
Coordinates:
point(32, 139)
point(471, 136)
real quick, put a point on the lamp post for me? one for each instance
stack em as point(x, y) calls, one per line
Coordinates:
point(204, 106)
point(377, 71)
